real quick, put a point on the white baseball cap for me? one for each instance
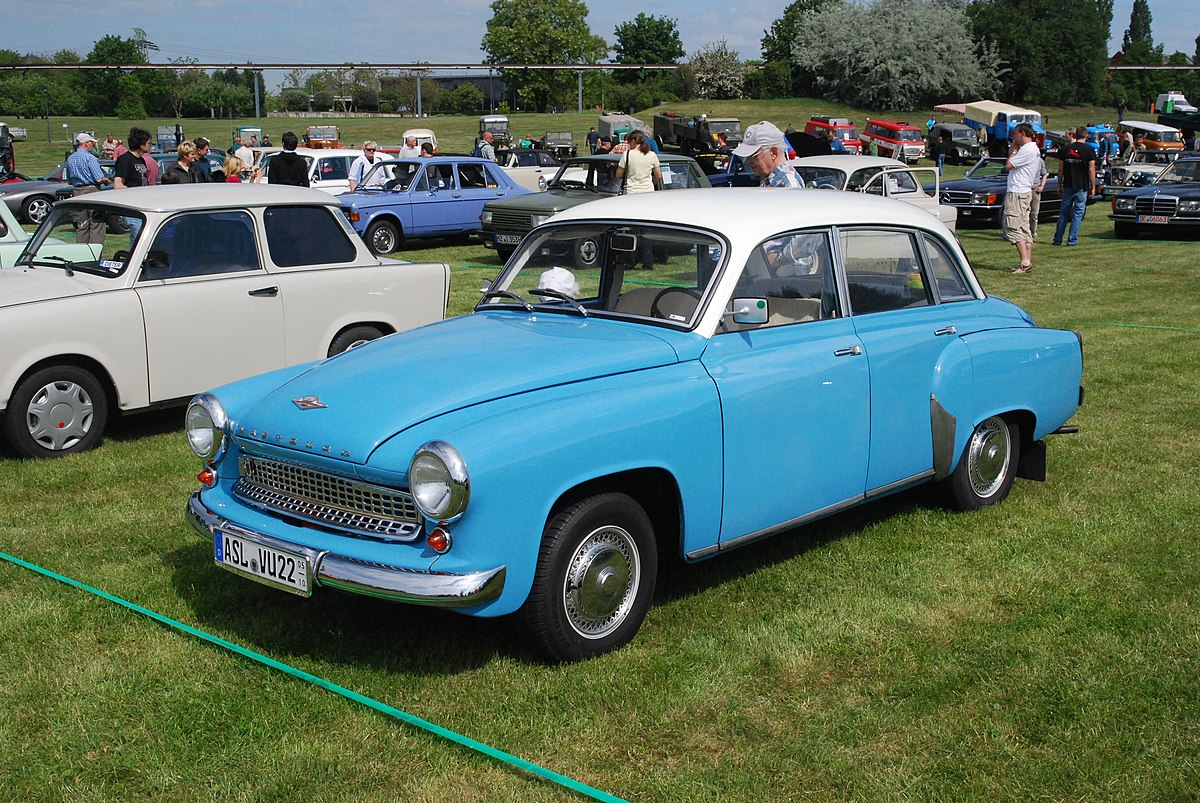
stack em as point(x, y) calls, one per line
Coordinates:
point(761, 135)
point(83, 137)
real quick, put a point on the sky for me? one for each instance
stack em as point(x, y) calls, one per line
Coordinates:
point(270, 31)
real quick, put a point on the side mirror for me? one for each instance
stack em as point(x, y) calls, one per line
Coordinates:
point(749, 310)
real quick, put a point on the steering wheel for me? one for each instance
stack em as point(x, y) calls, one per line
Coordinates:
point(693, 296)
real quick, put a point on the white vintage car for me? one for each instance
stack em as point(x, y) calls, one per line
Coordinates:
point(531, 168)
point(328, 168)
point(215, 282)
point(878, 175)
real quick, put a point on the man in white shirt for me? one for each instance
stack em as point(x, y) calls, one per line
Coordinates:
point(410, 149)
point(361, 166)
point(1023, 162)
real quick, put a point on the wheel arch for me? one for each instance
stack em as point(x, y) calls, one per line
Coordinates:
point(654, 489)
point(89, 364)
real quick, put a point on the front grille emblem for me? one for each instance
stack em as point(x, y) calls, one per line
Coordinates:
point(309, 402)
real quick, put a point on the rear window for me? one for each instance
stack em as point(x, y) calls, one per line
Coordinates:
point(306, 235)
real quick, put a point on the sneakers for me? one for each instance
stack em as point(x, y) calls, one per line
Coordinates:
point(1023, 269)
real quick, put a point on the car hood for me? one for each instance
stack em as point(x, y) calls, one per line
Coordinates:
point(372, 392)
point(1179, 189)
point(550, 201)
point(24, 285)
point(30, 186)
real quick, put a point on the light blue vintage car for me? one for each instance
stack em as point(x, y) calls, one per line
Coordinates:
point(788, 355)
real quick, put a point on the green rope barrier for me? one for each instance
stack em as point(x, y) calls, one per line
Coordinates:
point(383, 708)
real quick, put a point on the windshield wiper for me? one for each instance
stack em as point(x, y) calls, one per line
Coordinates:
point(505, 294)
point(548, 293)
point(52, 261)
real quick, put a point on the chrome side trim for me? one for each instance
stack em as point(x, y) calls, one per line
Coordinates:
point(742, 540)
point(416, 586)
point(943, 425)
point(892, 487)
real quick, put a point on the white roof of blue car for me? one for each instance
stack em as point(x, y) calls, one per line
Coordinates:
point(755, 212)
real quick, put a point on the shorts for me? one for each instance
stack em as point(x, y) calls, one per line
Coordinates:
point(1016, 217)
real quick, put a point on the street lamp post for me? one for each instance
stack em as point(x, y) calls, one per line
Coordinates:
point(46, 97)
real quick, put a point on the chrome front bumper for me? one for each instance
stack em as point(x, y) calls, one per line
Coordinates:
point(419, 587)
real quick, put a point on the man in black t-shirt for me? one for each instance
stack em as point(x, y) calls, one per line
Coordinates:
point(130, 169)
point(1076, 183)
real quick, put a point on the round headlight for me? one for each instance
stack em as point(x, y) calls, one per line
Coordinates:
point(205, 426)
point(437, 478)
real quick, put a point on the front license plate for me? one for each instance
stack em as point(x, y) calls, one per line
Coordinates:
point(508, 239)
point(274, 567)
point(1153, 219)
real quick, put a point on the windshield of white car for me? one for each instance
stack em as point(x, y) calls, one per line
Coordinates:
point(90, 239)
point(635, 271)
point(822, 177)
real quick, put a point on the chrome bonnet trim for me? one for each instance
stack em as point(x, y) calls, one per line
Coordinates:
point(416, 586)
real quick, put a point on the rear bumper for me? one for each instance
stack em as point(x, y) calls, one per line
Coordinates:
point(419, 587)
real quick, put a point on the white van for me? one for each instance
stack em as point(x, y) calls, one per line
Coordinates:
point(1173, 101)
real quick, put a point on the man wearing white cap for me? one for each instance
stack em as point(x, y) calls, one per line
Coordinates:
point(85, 175)
point(765, 149)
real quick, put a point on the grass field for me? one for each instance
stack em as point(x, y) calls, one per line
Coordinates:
point(1044, 649)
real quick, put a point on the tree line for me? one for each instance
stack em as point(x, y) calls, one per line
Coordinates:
point(889, 54)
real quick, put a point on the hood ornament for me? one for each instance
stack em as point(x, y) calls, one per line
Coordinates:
point(309, 402)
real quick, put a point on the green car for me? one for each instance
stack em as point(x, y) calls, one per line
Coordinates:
point(579, 180)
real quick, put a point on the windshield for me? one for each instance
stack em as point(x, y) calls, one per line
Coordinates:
point(988, 169)
point(1182, 170)
point(908, 135)
point(611, 270)
point(396, 176)
point(822, 177)
point(725, 126)
point(600, 175)
point(846, 133)
point(90, 239)
point(496, 127)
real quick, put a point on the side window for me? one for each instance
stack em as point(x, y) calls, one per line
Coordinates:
point(883, 270)
point(794, 274)
point(441, 177)
point(334, 168)
point(203, 244)
point(947, 277)
point(546, 160)
point(527, 159)
point(306, 235)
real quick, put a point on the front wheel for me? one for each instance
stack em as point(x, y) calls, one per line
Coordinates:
point(55, 412)
point(382, 237)
point(504, 252)
point(594, 580)
point(354, 336)
point(987, 468)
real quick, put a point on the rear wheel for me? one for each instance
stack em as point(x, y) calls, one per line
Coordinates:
point(382, 237)
point(354, 336)
point(36, 209)
point(594, 580)
point(55, 412)
point(988, 466)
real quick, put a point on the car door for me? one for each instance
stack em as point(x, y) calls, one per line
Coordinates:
point(478, 183)
point(794, 396)
point(432, 197)
point(212, 313)
point(904, 334)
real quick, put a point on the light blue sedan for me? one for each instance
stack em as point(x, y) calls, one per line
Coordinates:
point(788, 355)
point(439, 196)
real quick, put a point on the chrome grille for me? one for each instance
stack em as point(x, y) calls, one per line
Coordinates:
point(1156, 205)
point(345, 504)
point(956, 197)
point(505, 219)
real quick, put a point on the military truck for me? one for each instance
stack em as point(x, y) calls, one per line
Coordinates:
point(322, 136)
point(560, 143)
point(698, 133)
point(615, 126)
point(498, 124)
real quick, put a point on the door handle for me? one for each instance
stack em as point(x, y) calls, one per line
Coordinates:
point(853, 351)
point(945, 330)
point(456, 195)
point(269, 292)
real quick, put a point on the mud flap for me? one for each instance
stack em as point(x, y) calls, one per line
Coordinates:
point(1032, 465)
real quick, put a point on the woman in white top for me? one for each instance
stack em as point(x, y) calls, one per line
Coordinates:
point(640, 172)
point(639, 168)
